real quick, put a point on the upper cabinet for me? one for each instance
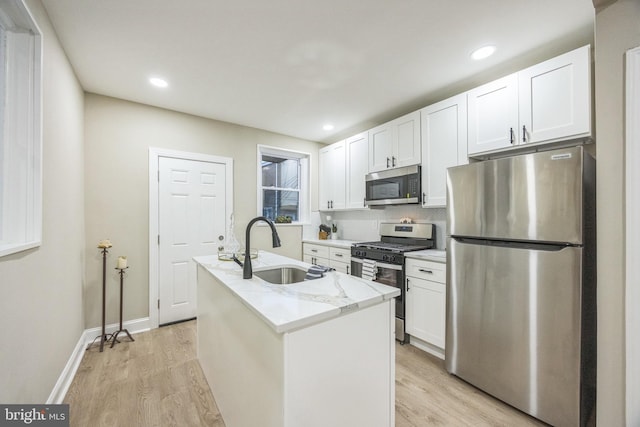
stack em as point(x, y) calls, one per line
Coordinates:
point(332, 177)
point(444, 144)
point(555, 98)
point(493, 115)
point(357, 149)
point(395, 144)
point(342, 169)
point(547, 102)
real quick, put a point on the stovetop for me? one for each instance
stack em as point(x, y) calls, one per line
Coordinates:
point(392, 246)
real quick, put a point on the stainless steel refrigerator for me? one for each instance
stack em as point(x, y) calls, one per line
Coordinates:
point(521, 295)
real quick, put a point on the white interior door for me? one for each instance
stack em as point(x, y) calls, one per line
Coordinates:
point(192, 222)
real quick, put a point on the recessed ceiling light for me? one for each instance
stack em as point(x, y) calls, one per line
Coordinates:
point(158, 82)
point(483, 52)
point(328, 126)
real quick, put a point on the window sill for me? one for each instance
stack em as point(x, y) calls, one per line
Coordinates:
point(12, 248)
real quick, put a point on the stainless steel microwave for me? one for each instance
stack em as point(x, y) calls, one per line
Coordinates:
point(398, 186)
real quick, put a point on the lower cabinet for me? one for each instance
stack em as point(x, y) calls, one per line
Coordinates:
point(328, 256)
point(426, 304)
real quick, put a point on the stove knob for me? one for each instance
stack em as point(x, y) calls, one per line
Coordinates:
point(385, 257)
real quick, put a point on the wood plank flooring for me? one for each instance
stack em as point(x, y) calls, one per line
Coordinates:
point(157, 381)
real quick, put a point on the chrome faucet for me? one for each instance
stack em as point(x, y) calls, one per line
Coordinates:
point(247, 271)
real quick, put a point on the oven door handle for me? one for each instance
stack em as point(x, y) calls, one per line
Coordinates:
point(380, 264)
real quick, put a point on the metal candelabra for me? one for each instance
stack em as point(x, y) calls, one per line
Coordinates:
point(115, 335)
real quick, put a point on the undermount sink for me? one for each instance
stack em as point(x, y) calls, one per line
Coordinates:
point(285, 275)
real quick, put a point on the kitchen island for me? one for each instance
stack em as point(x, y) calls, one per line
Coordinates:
point(315, 353)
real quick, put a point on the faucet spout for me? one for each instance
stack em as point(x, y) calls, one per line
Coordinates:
point(247, 271)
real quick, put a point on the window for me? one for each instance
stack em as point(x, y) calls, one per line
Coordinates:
point(20, 129)
point(283, 184)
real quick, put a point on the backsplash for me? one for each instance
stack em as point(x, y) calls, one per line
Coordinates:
point(363, 225)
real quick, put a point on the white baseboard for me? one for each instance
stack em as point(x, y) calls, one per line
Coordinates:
point(66, 377)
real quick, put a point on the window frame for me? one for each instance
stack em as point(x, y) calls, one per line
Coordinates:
point(304, 179)
point(21, 130)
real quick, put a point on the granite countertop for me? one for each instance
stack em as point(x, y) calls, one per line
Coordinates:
point(336, 243)
point(298, 305)
point(428, 254)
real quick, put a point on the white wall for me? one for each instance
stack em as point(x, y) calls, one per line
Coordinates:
point(41, 304)
point(118, 135)
point(617, 29)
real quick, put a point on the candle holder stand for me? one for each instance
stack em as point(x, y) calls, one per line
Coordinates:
point(104, 337)
point(115, 335)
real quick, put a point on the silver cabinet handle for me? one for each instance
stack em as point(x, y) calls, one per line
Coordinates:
point(314, 250)
point(511, 139)
point(339, 255)
point(393, 161)
point(387, 162)
point(407, 284)
point(524, 133)
point(422, 270)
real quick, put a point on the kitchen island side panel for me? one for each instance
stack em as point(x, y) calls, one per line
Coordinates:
point(341, 372)
point(241, 357)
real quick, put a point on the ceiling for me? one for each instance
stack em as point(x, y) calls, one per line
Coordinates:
point(290, 66)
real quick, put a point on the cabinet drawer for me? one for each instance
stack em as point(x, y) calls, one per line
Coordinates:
point(315, 250)
point(427, 270)
point(340, 255)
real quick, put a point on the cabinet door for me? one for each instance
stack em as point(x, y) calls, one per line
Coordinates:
point(493, 115)
point(554, 98)
point(332, 177)
point(380, 148)
point(342, 267)
point(425, 310)
point(324, 184)
point(444, 144)
point(357, 148)
point(338, 175)
point(406, 140)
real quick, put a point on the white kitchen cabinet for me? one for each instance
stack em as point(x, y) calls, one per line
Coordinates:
point(545, 103)
point(332, 178)
point(395, 143)
point(493, 115)
point(328, 256)
point(554, 98)
point(315, 254)
point(426, 304)
point(357, 152)
point(444, 144)
point(340, 259)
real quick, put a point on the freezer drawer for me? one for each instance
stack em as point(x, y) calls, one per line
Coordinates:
point(515, 321)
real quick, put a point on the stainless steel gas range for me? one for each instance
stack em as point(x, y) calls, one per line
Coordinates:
point(383, 261)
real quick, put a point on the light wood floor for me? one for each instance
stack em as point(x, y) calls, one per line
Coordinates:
point(157, 381)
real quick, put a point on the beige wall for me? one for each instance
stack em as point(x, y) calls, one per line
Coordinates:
point(41, 304)
point(617, 29)
point(118, 135)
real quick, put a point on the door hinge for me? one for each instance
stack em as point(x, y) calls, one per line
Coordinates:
point(158, 304)
point(158, 176)
point(158, 240)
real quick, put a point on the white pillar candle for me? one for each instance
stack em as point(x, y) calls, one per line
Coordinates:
point(122, 262)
